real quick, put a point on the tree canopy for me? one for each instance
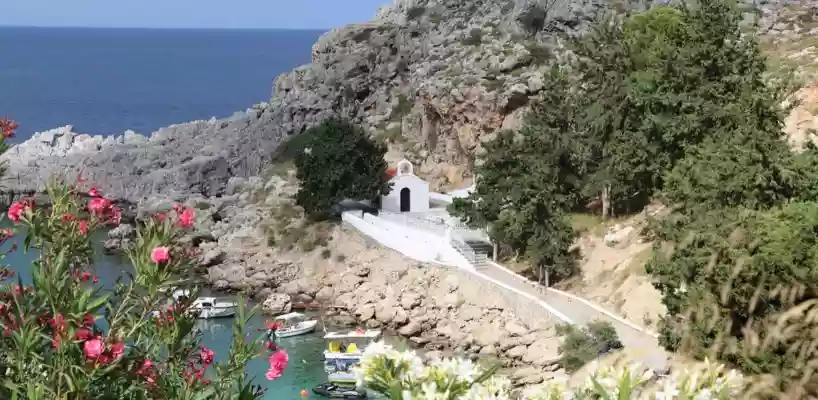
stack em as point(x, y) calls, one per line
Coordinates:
point(339, 161)
point(673, 103)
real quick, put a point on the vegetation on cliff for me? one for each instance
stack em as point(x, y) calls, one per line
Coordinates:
point(673, 103)
point(338, 161)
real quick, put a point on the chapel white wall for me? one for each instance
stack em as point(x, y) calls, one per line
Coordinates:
point(418, 194)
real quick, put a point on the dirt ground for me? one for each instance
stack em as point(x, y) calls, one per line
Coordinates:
point(614, 276)
point(804, 117)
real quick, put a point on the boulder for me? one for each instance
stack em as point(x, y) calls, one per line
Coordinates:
point(123, 231)
point(400, 316)
point(212, 257)
point(365, 312)
point(419, 340)
point(488, 351)
point(470, 312)
point(508, 342)
point(453, 300)
point(409, 300)
point(516, 352)
point(488, 335)
point(411, 329)
point(528, 376)
point(325, 295)
point(544, 351)
point(516, 329)
point(385, 311)
point(277, 304)
point(618, 235)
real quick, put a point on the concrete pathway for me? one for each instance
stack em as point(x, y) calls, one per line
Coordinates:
point(646, 346)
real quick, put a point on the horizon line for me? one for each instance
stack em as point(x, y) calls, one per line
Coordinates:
point(169, 28)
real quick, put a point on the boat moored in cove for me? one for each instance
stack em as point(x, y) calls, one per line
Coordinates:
point(344, 351)
point(334, 391)
point(293, 324)
point(205, 307)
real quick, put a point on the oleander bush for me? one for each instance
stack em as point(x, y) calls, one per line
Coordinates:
point(67, 336)
point(405, 376)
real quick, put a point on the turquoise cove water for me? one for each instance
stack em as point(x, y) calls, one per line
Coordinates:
point(306, 368)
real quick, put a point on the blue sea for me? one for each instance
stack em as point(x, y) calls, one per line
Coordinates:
point(104, 81)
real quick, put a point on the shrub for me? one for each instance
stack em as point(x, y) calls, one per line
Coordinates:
point(339, 162)
point(416, 12)
point(474, 37)
point(581, 346)
point(740, 285)
point(403, 375)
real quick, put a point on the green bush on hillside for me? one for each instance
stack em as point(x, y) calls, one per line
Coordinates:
point(583, 345)
point(338, 161)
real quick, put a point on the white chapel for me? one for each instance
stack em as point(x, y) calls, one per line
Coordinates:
point(409, 193)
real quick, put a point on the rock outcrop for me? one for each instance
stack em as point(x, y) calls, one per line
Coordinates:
point(435, 78)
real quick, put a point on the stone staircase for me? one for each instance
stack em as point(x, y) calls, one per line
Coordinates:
point(476, 252)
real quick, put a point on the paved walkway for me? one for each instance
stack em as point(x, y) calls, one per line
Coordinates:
point(649, 353)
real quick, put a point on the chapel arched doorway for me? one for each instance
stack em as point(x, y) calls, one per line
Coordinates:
point(405, 200)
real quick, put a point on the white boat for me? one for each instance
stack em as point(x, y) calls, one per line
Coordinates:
point(206, 307)
point(211, 307)
point(294, 324)
point(344, 351)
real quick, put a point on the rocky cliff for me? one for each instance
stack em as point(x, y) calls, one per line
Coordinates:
point(434, 78)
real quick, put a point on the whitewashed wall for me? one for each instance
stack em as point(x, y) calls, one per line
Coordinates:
point(418, 195)
point(413, 243)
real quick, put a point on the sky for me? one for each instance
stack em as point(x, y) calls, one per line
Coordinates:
point(232, 14)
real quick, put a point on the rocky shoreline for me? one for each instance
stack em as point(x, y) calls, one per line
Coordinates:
point(433, 79)
point(442, 310)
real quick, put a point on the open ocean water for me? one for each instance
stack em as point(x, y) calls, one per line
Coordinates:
point(104, 81)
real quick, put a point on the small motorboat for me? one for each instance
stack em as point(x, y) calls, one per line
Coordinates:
point(334, 391)
point(344, 351)
point(205, 307)
point(293, 324)
point(211, 307)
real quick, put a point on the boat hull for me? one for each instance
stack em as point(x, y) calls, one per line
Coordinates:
point(213, 313)
point(339, 369)
point(333, 391)
point(300, 329)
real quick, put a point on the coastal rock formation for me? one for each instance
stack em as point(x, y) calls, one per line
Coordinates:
point(436, 308)
point(433, 78)
point(359, 282)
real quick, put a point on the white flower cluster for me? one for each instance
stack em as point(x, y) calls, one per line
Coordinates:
point(386, 370)
point(389, 372)
point(706, 381)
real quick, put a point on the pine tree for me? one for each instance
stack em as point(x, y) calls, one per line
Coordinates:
point(527, 181)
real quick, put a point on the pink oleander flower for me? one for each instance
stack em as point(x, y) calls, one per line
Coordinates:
point(187, 218)
point(278, 363)
point(83, 227)
point(17, 209)
point(93, 348)
point(160, 254)
point(206, 355)
point(99, 206)
point(83, 334)
point(117, 350)
point(7, 127)
point(94, 192)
